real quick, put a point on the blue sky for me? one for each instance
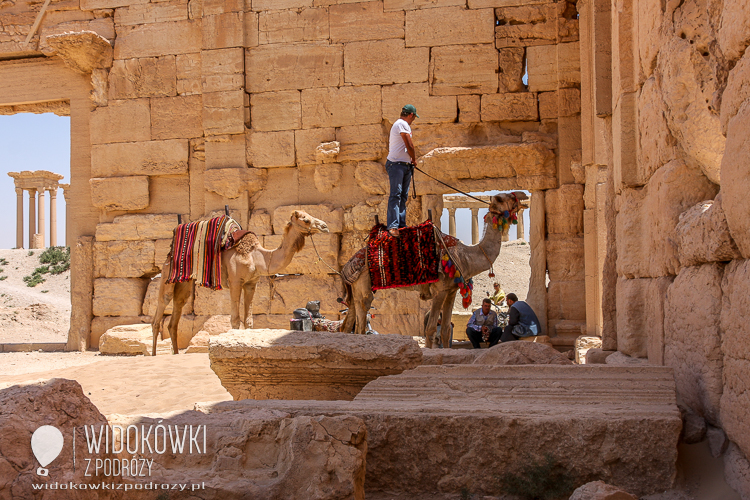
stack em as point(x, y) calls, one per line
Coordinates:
point(32, 142)
point(42, 142)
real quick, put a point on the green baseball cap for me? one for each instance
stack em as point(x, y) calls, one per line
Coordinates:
point(410, 109)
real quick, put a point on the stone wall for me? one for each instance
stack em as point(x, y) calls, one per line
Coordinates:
point(666, 106)
point(198, 104)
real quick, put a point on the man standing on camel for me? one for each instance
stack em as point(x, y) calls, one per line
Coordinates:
point(400, 168)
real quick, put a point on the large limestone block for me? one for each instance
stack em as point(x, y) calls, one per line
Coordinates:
point(372, 177)
point(529, 163)
point(261, 5)
point(553, 66)
point(120, 193)
point(306, 261)
point(632, 244)
point(292, 292)
point(673, 189)
point(263, 455)
point(127, 120)
point(222, 69)
point(285, 364)
point(108, 4)
point(270, 149)
point(449, 26)
point(306, 143)
point(522, 353)
point(372, 62)
point(737, 470)
point(138, 13)
point(224, 112)
point(735, 399)
point(342, 106)
point(733, 32)
point(225, 151)
point(137, 227)
point(431, 109)
point(564, 210)
point(355, 22)
point(395, 301)
point(28, 406)
point(655, 313)
point(229, 29)
point(511, 69)
point(188, 68)
point(124, 259)
point(271, 111)
point(633, 323)
point(168, 157)
point(232, 182)
point(565, 259)
point(176, 117)
point(463, 69)
point(468, 108)
point(293, 67)
point(693, 342)
point(702, 235)
point(656, 144)
point(566, 300)
point(520, 106)
point(101, 324)
point(119, 296)
point(737, 91)
point(145, 77)
point(159, 39)
point(287, 26)
point(734, 170)
point(333, 217)
point(527, 25)
point(361, 143)
point(132, 340)
point(687, 84)
point(390, 5)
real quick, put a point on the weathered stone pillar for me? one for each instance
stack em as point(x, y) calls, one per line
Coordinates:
point(519, 228)
point(81, 293)
point(53, 217)
point(32, 216)
point(19, 218)
point(474, 226)
point(452, 221)
point(537, 297)
point(39, 243)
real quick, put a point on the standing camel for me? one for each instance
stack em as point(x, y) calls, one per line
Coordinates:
point(471, 260)
point(241, 267)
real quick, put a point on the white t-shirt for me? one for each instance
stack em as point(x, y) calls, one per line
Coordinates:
point(396, 147)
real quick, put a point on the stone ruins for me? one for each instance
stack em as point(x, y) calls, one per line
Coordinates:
point(36, 183)
point(626, 120)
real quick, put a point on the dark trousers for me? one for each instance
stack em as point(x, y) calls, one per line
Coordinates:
point(506, 335)
point(399, 175)
point(476, 336)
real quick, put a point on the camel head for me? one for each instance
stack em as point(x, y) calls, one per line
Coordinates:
point(307, 223)
point(507, 201)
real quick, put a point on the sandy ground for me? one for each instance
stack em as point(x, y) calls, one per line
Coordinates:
point(38, 314)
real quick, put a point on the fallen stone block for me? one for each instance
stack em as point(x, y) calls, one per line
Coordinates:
point(522, 353)
point(286, 364)
point(583, 344)
point(449, 356)
point(597, 356)
point(430, 429)
point(132, 340)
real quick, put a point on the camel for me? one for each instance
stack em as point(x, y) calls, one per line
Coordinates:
point(472, 260)
point(241, 267)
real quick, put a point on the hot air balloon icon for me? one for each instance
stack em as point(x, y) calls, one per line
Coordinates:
point(46, 443)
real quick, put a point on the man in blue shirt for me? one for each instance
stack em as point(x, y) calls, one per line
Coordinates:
point(483, 322)
point(522, 321)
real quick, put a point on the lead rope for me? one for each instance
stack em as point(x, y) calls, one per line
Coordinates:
point(320, 259)
point(448, 185)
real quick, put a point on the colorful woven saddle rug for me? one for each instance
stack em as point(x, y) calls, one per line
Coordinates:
point(196, 251)
point(411, 259)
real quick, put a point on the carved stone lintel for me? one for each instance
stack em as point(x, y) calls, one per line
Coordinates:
point(82, 51)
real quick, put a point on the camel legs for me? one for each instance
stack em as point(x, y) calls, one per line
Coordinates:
point(437, 304)
point(359, 305)
point(182, 292)
point(166, 291)
point(445, 331)
point(235, 291)
point(249, 289)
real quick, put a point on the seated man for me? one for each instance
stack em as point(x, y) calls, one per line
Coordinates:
point(522, 321)
point(483, 322)
point(499, 296)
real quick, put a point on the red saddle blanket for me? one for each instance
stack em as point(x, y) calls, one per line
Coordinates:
point(411, 259)
point(196, 252)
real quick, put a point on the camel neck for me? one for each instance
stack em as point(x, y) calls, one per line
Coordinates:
point(292, 242)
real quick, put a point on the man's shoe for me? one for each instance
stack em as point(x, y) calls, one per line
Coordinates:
point(393, 232)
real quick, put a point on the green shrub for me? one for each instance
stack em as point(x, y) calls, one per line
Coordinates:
point(56, 260)
point(3, 261)
point(5, 277)
point(539, 480)
point(55, 255)
point(31, 252)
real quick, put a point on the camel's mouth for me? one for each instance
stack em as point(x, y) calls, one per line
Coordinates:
point(319, 228)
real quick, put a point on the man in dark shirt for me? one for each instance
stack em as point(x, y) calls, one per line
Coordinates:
point(522, 321)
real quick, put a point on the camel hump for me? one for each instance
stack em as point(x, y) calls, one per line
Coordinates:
point(247, 243)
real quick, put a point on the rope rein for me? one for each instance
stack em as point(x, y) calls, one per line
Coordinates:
point(448, 185)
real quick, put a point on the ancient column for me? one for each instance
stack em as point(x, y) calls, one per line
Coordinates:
point(32, 216)
point(40, 217)
point(537, 297)
point(19, 218)
point(53, 217)
point(474, 226)
point(452, 221)
point(521, 233)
